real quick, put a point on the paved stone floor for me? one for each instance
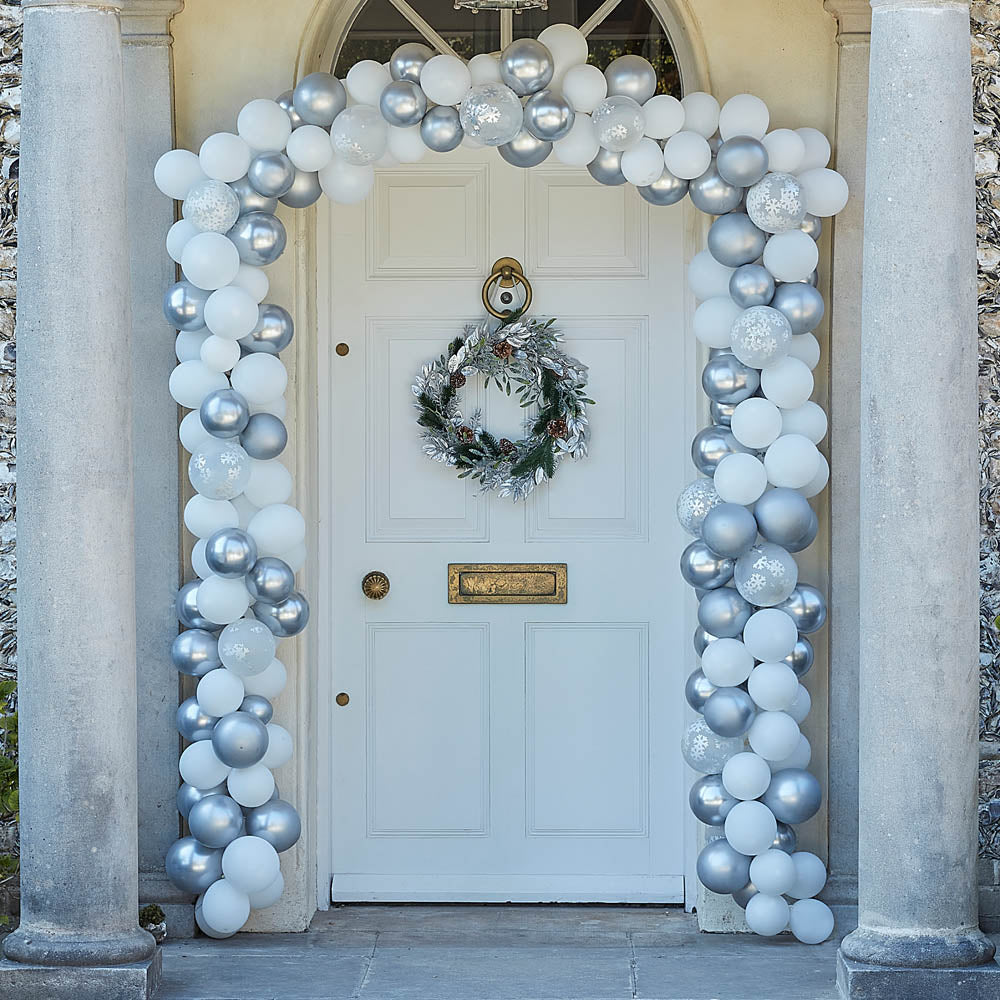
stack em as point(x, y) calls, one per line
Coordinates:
point(361, 952)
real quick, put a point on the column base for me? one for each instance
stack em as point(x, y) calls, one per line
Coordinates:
point(31, 946)
point(860, 981)
point(966, 947)
point(137, 981)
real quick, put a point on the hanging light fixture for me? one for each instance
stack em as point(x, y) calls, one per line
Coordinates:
point(515, 6)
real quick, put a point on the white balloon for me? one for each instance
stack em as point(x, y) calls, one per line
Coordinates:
point(664, 116)
point(406, 144)
point(270, 483)
point(687, 154)
point(187, 346)
point(264, 125)
point(309, 148)
point(198, 563)
point(772, 872)
point(799, 757)
point(225, 157)
point(726, 662)
point(791, 256)
point(231, 312)
point(756, 422)
point(774, 735)
point(219, 354)
point(818, 482)
point(444, 79)
point(250, 864)
point(773, 687)
point(569, 49)
point(817, 148)
point(204, 517)
point(769, 635)
point(271, 682)
point(279, 407)
point(176, 172)
point(787, 383)
point(260, 377)
point(210, 260)
point(268, 896)
point(580, 145)
point(811, 921)
point(701, 113)
point(785, 150)
point(707, 277)
point(224, 908)
point(801, 704)
point(714, 318)
point(750, 827)
point(740, 478)
point(584, 86)
point(484, 68)
point(825, 191)
point(810, 875)
point(805, 347)
point(346, 183)
point(245, 509)
point(279, 746)
point(277, 528)
point(746, 776)
point(366, 80)
point(295, 556)
point(220, 692)
point(767, 915)
point(222, 601)
point(191, 381)
point(809, 420)
point(200, 767)
point(253, 281)
point(250, 786)
point(178, 236)
point(643, 163)
point(743, 114)
point(792, 461)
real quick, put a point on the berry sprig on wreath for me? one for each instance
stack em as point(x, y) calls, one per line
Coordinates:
point(521, 356)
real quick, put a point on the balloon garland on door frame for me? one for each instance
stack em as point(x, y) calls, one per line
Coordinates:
point(756, 282)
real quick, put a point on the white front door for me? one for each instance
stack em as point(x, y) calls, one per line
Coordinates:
point(504, 752)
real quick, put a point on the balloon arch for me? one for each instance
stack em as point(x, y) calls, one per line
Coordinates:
point(758, 461)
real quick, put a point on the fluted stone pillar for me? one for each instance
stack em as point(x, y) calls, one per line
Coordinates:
point(918, 933)
point(79, 934)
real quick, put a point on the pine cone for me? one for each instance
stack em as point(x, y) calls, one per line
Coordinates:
point(457, 380)
point(507, 447)
point(557, 428)
point(466, 434)
point(502, 349)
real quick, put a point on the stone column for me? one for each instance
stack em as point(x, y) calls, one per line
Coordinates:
point(918, 933)
point(79, 934)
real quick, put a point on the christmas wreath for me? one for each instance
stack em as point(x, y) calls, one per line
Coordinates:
point(521, 356)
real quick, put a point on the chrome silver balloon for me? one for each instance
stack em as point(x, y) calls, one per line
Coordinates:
point(783, 515)
point(403, 103)
point(729, 711)
point(287, 617)
point(284, 101)
point(277, 822)
point(187, 608)
point(701, 641)
point(794, 795)
point(215, 821)
point(801, 304)
point(305, 190)
point(721, 413)
point(252, 200)
point(184, 306)
point(271, 580)
point(633, 76)
point(805, 540)
point(743, 896)
point(441, 129)
point(408, 60)
point(224, 413)
point(191, 866)
point(524, 150)
point(785, 839)
point(188, 795)
point(729, 529)
point(723, 613)
point(697, 689)
point(812, 225)
point(271, 174)
point(230, 553)
point(801, 658)
point(807, 606)
point(273, 332)
point(192, 723)
point(751, 285)
point(264, 436)
point(668, 190)
point(709, 800)
point(194, 652)
point(721, 868)
point(258, 706)
point(766, 575)
point(742, 160)
point(548, 116)
point(712, 195)
point(526, 66)
point(318, 98)
point(701, 567)
point(606, 168)
point(711, 445)
point(259, 237)
point(239, 739)
point(734, 240)
point(725, 379)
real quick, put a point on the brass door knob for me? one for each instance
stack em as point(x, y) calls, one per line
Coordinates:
point(375, 585)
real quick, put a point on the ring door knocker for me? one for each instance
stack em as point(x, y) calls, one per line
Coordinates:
point(507, 271)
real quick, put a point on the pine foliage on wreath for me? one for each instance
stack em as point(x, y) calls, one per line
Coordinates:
point(523, 357)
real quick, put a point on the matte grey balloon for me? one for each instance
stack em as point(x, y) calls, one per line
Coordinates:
point(230, 553)
point(807, 606)
point(259, 237)
point(701, 567)
point(632, 76)
point(191, 866)
point(697, 689)
point(264, 436)
point(224, 413)
point(794, 795)
point(721, 413)
point(711, 445)
point(252, 200)
point(187, 608)
point(403, 103)
point(319, 98)
point(725, 379)
point(273, 332)
point(723, 613)
point(734, 240)
point(721, 868)
point(285, 102)
point(742, 160)
point(730, 530)
point(666, 190)
point(184, 306)
point(743, 896)
point(751, 285)
point(785, 839)
point(287, 617)
point(277, 822)
point(526, 66)
point(709, 800)
point(808, 538)
point(258, 706)
point(524, 150)
point(712, 195)
point(271, 579)
point(783, 515)
point(606, 168)
point(192, 723)
point(239, 739)
point(408, 60)
point(812, 226)
point(271, 174)
point(548, 116)
point(729, 711)
point(701, 640)
point(305, 190)
point(188, 795)
point(801, 304)
point(441, 129)
point(194, 652)
point(801, 658)
point(215, 821)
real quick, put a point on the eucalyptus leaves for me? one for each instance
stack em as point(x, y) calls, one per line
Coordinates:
point(522, 357)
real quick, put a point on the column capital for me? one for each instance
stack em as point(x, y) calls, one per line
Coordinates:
point(147, 22)
point(854, 17)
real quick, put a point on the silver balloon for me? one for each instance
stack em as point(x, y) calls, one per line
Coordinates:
point(258, 706)
point(711, 445)
point(632, 76)
point(239, 739)
point(701, 567)
point(285, 102)
point(606, 168)
point(766, 575)
point(408, 60)
point(807, 606)
point(187, 607)
point(287, 617)
point(785, 839)
point(729, 711)
point(305, 190)
point(441, 129)
point(259, 237)
point(694, 502)
point(726, 379)
point(751, 285)
point(264, 436)
point(277, 822)
point(812, 225)
point(743, 896)
point(706, 751)
point(783, 515)
point(721, 413)
point(801, 658)
point(403, 103)
point(271, 580)
point(526, 66)
point(709, 800)
point(273, 332)
point(805, 540)
point(698, 688)
point(188, 795)
point(730, 530)
point(271, 174)
point(721, 868)
point(230, 553)
point(742, 160)
point(701, 640)
point(195, 652)
point(548, 116)
point(734, 240)
point(191, 866)
point(184, 306)
point(794, 795)
point(723, 613)
point(252, 200)
point(216, 821)
point(224, 413)
point(192, 723)
point(524, 150)
point(712, 195)
point(319, 98)
point(801, 304)
point(667, 190)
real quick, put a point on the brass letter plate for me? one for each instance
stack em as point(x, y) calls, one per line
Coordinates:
point(507, 583)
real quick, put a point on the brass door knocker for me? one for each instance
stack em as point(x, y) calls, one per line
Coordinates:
point(508, 272)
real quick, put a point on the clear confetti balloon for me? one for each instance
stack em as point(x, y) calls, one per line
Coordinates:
point(246, 647)
point(766, 575)
point(694, 502)
point(359, 135)
point(706, 751)
point(618, 123)
point(219, 469)
point(491, 113)
point(211, 207)
point(760, 336)
point(776, 203)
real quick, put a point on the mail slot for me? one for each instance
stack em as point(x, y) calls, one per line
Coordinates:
point(507, 583)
